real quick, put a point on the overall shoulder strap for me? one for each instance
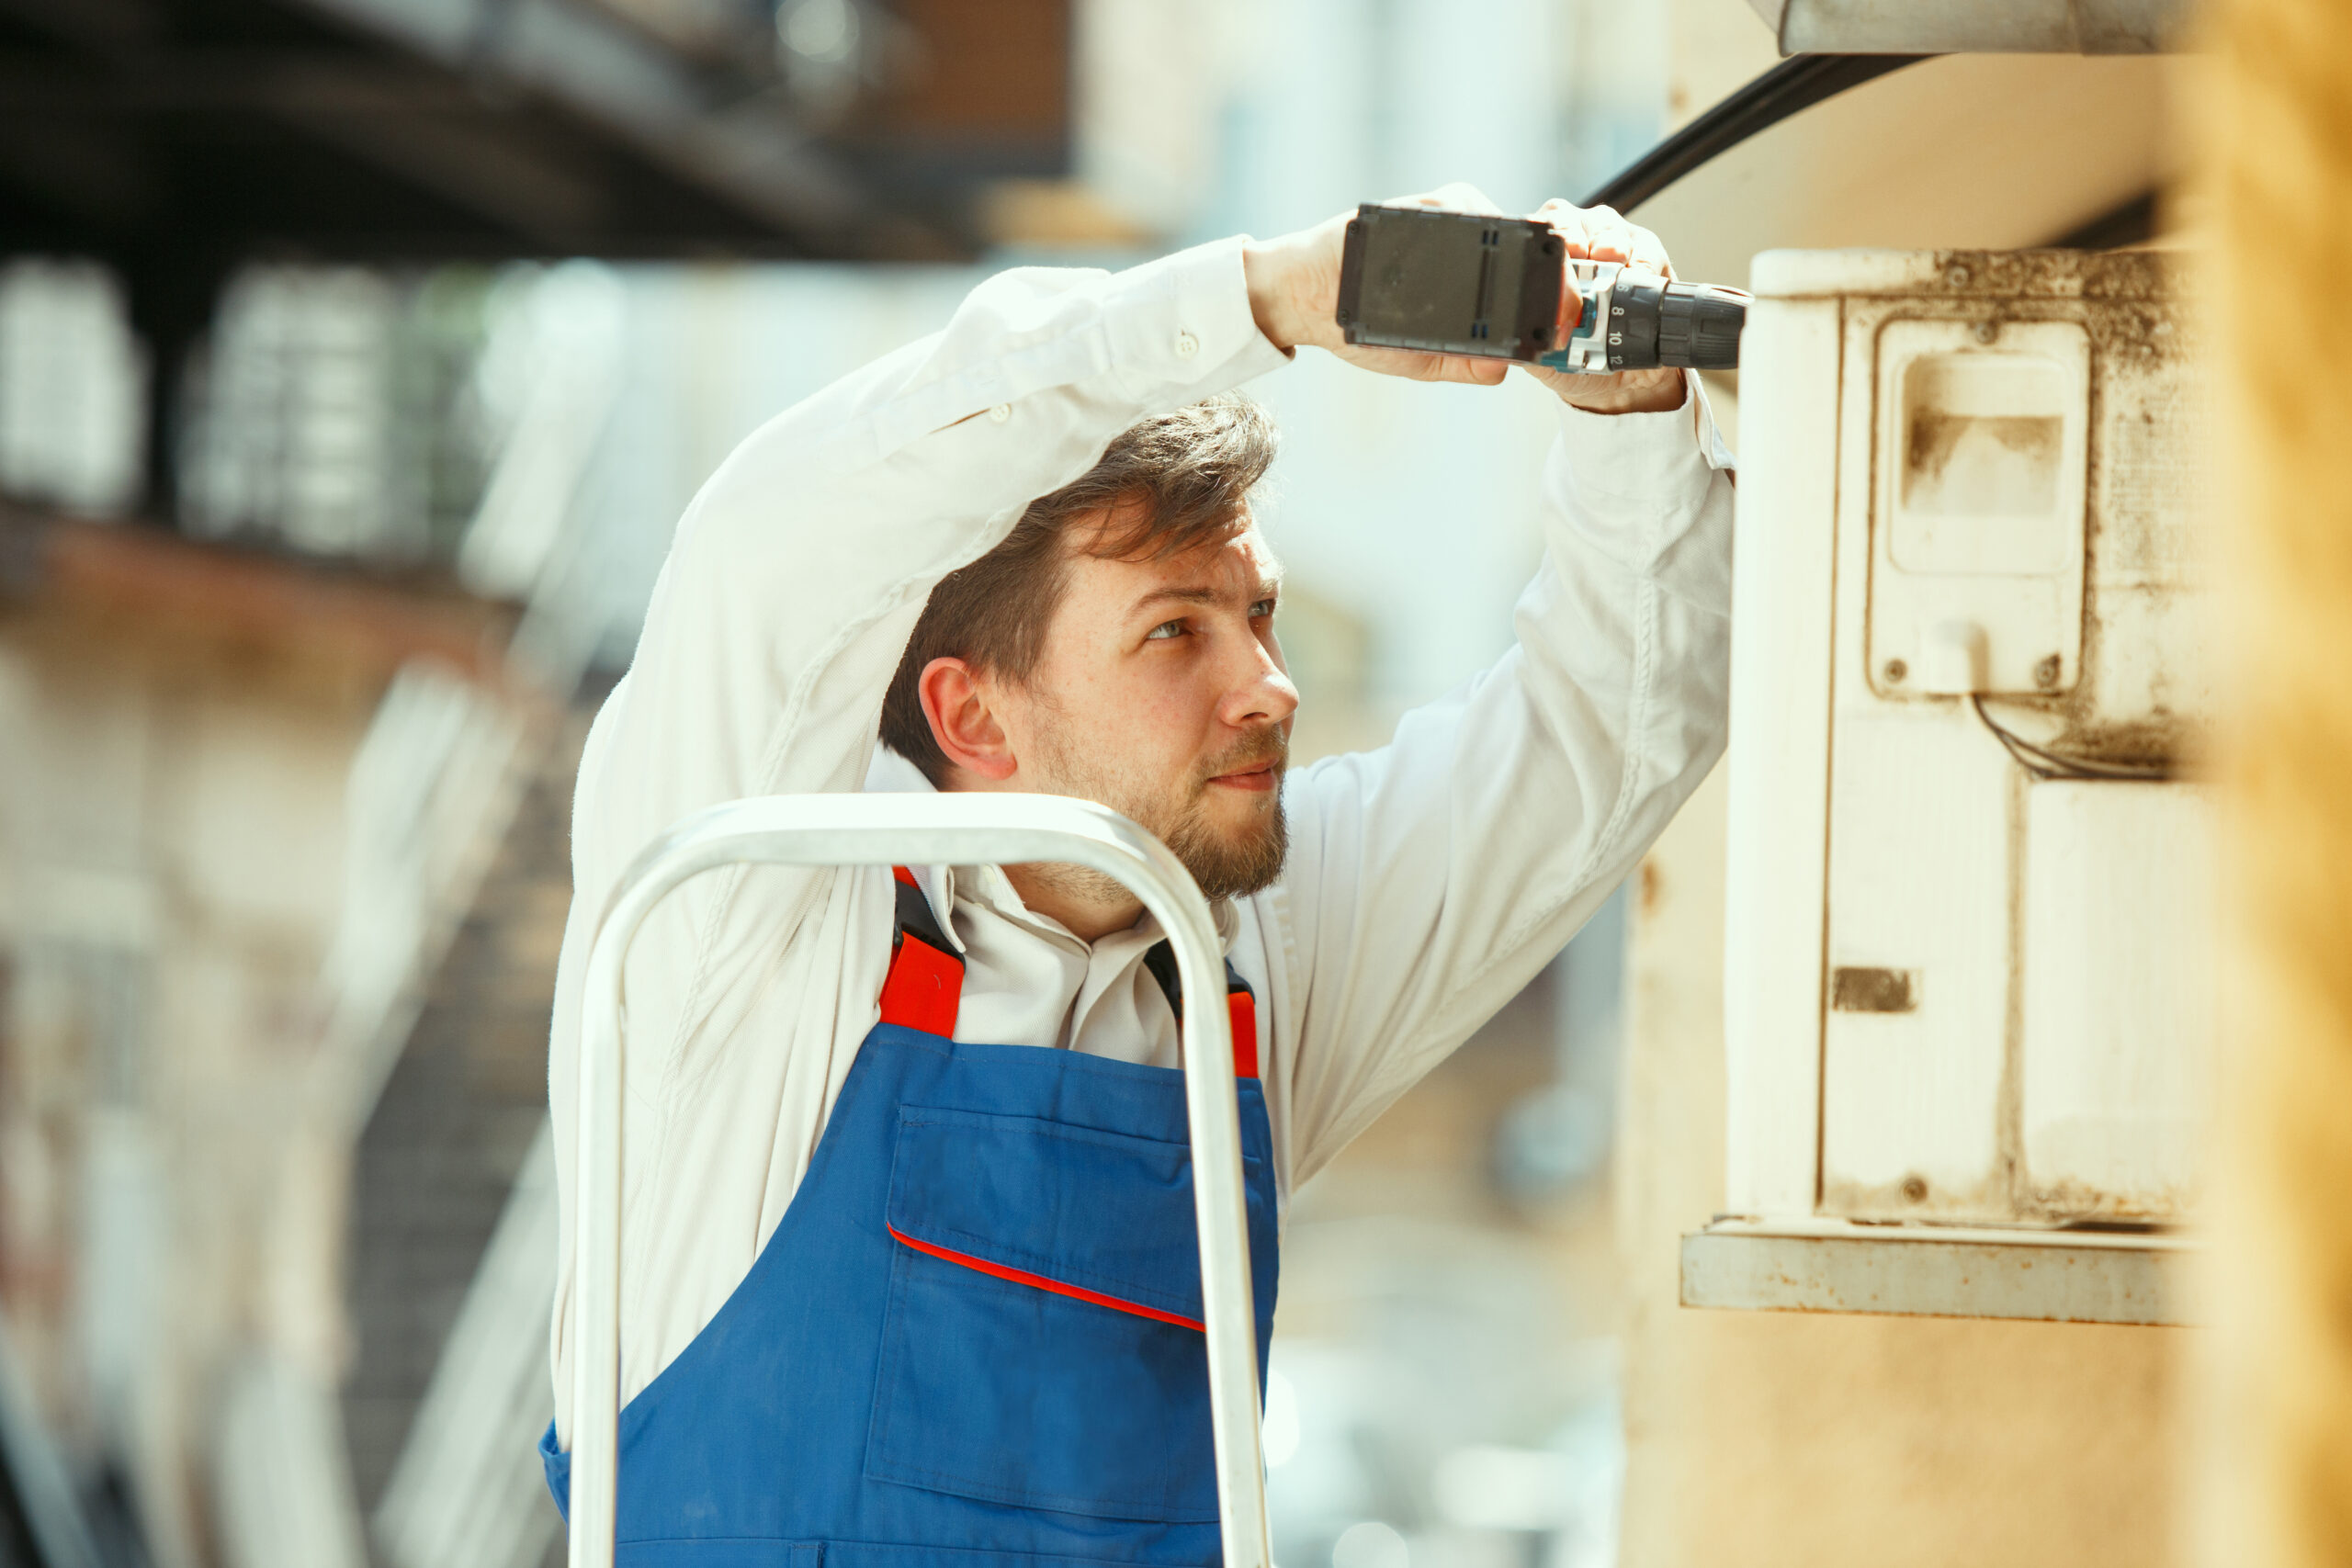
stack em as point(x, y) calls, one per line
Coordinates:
point(925, 985)
point(1240, 1003)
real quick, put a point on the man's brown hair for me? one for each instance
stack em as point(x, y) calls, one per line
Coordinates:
point(1163, 487)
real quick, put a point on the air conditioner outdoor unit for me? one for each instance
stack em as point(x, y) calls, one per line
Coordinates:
point(1969, 1001)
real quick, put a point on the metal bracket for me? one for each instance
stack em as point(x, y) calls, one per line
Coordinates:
point(1974, 26)
point(1939, 1271)
point(919, 829)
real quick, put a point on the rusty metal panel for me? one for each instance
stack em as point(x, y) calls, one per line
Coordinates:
point(1919, 853)
point(1774, 862)
point(2053, 1276)
point(2118, 1013)
point(1979, 498)
point(2019, 445)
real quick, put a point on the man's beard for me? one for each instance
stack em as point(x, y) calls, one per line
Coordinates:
point(1226, 867)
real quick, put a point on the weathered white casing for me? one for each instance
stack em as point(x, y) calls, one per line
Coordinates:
point(1955, 994)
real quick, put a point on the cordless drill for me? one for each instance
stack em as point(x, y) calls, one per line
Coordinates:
point(1467, 282)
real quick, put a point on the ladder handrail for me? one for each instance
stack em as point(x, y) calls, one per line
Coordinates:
point(962, 829)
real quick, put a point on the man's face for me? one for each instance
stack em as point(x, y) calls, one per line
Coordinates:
point(1162, 693)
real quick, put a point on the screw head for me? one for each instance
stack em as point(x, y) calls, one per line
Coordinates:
point(1896, 671)
point(1914, 1189)
point(1956, 275)
point(2045, 673)
point(1987, 330)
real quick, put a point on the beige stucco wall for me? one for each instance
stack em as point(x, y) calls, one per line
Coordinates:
point(1763, 1439)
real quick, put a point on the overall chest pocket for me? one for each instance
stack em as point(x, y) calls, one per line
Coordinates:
point(1043, 1344)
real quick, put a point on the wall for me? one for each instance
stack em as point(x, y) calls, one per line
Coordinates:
point(1764, 1438)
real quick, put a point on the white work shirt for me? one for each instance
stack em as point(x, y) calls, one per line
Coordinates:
point(1428, 881)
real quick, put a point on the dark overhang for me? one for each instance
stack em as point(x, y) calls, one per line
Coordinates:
point(376, 130)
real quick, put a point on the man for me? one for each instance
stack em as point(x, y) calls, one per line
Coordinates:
point(908, 1270)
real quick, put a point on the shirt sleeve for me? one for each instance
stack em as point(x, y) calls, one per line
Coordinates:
point(1430, 879)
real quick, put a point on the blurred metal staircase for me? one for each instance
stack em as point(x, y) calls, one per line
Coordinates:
point(455, 1143)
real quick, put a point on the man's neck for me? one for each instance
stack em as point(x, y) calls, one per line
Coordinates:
point(1088, 905)
point(1063, 894)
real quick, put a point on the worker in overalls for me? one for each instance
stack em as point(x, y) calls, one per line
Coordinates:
point(909, 1271)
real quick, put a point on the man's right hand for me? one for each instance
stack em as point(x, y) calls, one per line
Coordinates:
point(1294, 286)
point(1294, 294)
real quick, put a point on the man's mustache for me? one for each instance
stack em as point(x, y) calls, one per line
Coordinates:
point(1257, 750)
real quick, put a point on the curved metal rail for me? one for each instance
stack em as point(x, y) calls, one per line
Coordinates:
point(919, 829)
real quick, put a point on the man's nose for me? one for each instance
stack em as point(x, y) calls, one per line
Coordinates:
point(1261, 693)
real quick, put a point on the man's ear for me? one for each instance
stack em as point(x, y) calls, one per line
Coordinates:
point(957, 709)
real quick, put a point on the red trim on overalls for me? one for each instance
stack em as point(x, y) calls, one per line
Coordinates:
point(1039, 1281)
point(1242, 1008)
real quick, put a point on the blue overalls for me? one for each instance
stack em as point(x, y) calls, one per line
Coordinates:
point(974, 1340)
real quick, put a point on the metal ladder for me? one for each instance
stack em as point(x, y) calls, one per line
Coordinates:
point(919, 829)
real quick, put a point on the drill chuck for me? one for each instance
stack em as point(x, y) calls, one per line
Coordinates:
point(1639, 321)
point(1698, 325)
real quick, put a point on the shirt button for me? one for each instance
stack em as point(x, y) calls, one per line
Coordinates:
point(1187, 346)
point(1002, 413)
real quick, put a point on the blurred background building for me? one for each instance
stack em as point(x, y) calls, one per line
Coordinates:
point(356, 358)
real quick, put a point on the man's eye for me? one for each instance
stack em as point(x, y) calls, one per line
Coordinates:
point(1164, 629)
point(1262, 607)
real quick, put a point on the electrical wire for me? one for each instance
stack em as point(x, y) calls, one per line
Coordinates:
point(2043, 764)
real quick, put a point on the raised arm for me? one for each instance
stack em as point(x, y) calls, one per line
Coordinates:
point(1430, 879)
